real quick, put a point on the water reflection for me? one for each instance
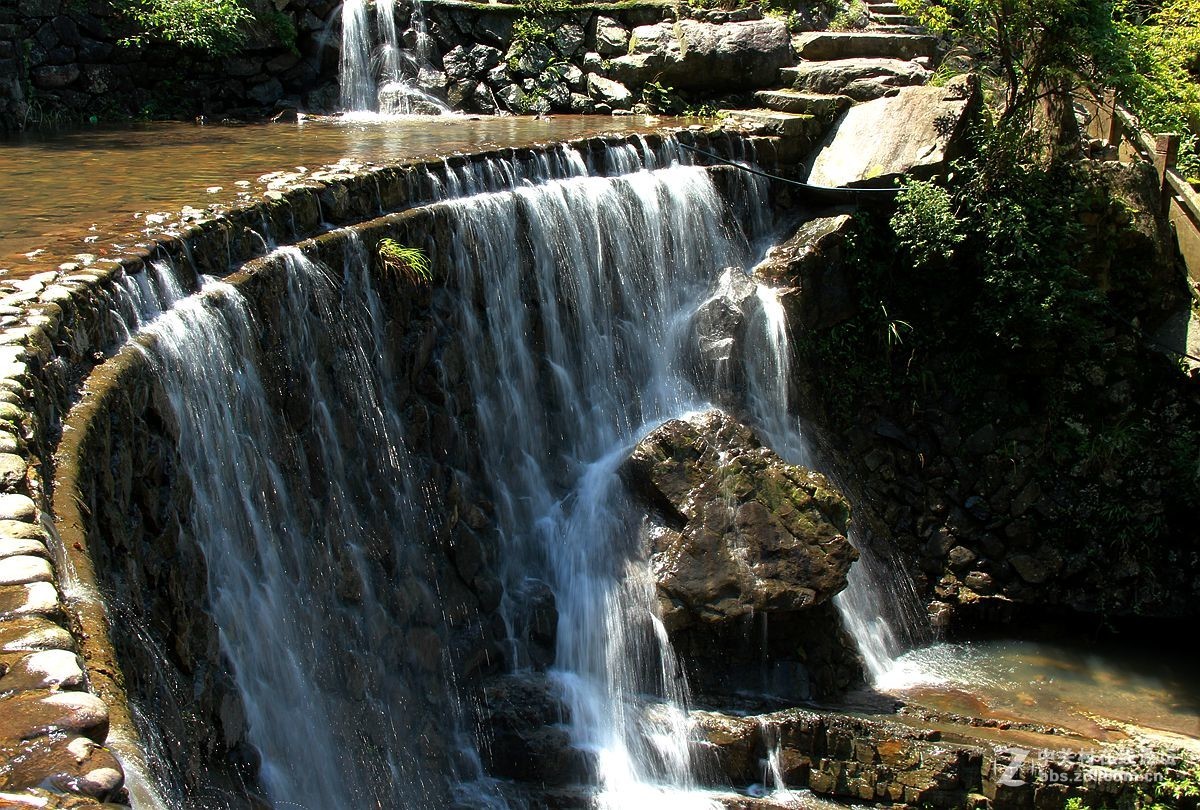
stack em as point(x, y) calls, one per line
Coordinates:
point(75, 192)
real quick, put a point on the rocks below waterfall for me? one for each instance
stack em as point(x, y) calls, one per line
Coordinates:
point(738, 538)
point(737, 531)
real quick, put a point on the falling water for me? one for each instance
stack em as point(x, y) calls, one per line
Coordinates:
point(376, 72)
point(578, 353)
point(284, 514)
point(590, 284)
point(879, 607)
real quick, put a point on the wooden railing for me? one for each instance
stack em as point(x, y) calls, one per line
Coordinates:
point(1111, 122)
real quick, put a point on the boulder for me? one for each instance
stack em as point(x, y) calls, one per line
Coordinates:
point(693, 55)
point(718, 332)
point(817, 292)
point(860, 79)
point(735, 530)
point(530, 742)
point(608, 91)
point(914, 132)
point(612, 38)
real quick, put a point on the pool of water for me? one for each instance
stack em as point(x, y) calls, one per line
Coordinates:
point(1100, 692)
point(67, 193)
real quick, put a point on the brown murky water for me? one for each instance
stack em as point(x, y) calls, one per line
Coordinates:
point(79, 192)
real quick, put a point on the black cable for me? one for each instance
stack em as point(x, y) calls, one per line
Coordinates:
point(879, 194)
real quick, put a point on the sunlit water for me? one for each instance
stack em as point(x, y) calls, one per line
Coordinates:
point(1089, 689)
point(67, 193)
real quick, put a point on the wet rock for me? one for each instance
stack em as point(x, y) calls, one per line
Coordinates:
point(18, 507)
point(693, 55)
point(35, 599)
point(818, 292)
point(47, 669)
point(738, 532)
point(529, 739)
point(718, 335)
point(915, 132)
point(23, 570)
point(33, 714)
point(67, 763)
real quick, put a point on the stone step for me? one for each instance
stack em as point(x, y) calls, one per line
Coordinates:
point(885, 8)
point(798, 103)
point(824, 46)
point(899, 29)
point(778, 123)
point(893, 19)
point(860, 79)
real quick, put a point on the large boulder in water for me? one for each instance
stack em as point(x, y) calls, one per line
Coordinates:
point(738, 531)
point(747, 552)
point(694, 55)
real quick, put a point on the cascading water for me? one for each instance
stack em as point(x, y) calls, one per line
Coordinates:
point(579, 352)
point(582, 346)
point(285, 509)
point(879, 606)
point(377, 73)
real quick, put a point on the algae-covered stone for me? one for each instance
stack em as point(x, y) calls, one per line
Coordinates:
point(741, 532)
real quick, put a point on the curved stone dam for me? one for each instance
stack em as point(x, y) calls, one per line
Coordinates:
point(475, 483)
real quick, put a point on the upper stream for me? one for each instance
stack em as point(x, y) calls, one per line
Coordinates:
point(87, 191)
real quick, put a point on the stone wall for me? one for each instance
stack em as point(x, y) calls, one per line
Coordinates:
point(63, 61)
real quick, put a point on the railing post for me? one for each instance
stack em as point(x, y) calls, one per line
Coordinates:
point(1166, 153)
point(1112, 129)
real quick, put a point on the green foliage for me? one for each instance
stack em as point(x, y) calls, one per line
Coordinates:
point(529, 31)
point(852, 15)
point(1027, 47)
point(1179, 791)
point(410, 263)
point(1160, 82)
point(283, 27)
point(216, 26)
point(925, 224)
point(978, 293)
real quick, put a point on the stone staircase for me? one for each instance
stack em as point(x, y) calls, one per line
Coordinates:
point(836, 69)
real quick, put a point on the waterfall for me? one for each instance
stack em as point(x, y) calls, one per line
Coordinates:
point(578, 353)
point(880, 607)
point(571, 297)
point(284, 520)
point(377, 74)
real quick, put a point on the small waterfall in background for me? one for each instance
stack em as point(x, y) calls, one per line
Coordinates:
point(879, 607)
point(378, 74)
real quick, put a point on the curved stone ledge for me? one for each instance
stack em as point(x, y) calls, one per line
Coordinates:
point(61, 329)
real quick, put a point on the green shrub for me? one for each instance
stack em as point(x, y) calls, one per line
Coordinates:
point(1161, 80)
point(216, 26)
point(925, 224)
